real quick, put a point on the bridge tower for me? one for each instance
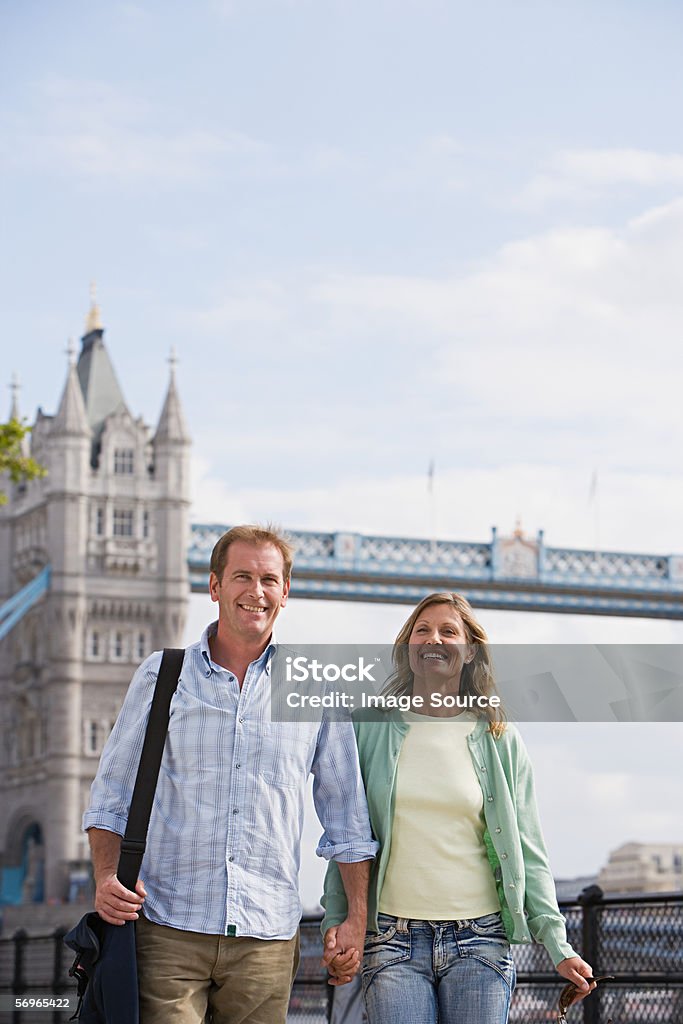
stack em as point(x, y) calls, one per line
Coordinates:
point(111, 518)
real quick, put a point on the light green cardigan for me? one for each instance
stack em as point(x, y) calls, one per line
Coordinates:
point(513, 837)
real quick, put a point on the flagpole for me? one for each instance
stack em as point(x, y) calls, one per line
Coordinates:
point(593, 498)
point(432, 509)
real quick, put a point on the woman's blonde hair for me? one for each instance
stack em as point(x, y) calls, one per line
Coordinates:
point(477, 678)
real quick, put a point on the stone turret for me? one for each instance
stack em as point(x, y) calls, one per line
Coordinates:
point(171, 446)
point(111, 518)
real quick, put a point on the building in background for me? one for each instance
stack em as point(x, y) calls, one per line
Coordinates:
point(570, 888)
point(111, 519)
point(643, 867)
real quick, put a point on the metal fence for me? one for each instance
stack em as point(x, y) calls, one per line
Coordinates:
point(638, 939)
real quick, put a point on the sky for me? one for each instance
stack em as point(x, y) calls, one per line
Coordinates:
point(379, 235)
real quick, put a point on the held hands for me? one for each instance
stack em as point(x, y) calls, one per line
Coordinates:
point(576, 970)
point(343, 949)
point(116, 904)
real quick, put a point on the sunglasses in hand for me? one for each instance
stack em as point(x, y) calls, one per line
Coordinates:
point(570, 993)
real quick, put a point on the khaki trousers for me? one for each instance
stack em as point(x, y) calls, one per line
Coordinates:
point(239, 980)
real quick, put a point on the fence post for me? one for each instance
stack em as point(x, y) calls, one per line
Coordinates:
point(330, 1002)
point(58, 960)
point(18, 980)
point(589, 900)
point(57, 967)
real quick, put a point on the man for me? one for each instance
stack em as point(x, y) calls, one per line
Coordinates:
point(217, 907)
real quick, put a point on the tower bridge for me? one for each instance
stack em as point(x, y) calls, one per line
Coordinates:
point(514, 573)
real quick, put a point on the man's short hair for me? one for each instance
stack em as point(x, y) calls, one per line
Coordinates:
point(256, 535)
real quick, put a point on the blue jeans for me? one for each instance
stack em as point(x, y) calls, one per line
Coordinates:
point(453, 972)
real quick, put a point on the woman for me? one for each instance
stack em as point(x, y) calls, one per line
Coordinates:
point(462, 869)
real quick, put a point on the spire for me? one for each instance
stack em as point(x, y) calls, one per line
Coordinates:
point(15, 388)
point(71, 416)
point(101, 391)
point(93, 321)
point(172, 426)
point(14, 414)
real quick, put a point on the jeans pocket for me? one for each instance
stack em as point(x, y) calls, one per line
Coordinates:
point(488, 943)
point(387, 930)
point(490, 925)
point(384, 949)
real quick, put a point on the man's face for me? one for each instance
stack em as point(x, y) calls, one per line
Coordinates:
point(251, 592)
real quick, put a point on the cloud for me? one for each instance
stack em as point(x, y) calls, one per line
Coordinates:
point(467, 502)
point(101, 132)
point(576, 328)
point(557, 356)
point(608, 774)
point(434, 162)
point(581, 175)
point(232, 8)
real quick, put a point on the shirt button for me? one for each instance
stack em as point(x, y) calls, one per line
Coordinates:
point(504, 856)
point(238, 766)
point(483, 767)
point(498, 829)
point(490, 799)
point(242, 720)
point(511, 886)
point(231, 858)
point(208, 671)
point(235, 810)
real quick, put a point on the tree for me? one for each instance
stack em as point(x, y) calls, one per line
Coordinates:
point(12, 459)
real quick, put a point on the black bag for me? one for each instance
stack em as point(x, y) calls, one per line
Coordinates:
point(105, 965)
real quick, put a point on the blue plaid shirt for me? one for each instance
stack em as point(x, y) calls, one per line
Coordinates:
point(225, 831)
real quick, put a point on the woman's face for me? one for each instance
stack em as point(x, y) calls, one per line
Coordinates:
point(438, 647)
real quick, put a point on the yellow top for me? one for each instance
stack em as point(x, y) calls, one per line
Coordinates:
point(438, 869)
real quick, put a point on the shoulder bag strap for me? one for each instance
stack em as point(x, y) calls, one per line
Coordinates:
point(134, 841)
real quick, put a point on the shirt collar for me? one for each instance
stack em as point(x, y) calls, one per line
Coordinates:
point(263, 661)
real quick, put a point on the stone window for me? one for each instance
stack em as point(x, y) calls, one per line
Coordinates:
point(99, 521)
point(123, 522)
point(91, 737)
point(124, 461)
point(141, 645)
point(145, 524)
point(95, 644)
point(118, 646)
